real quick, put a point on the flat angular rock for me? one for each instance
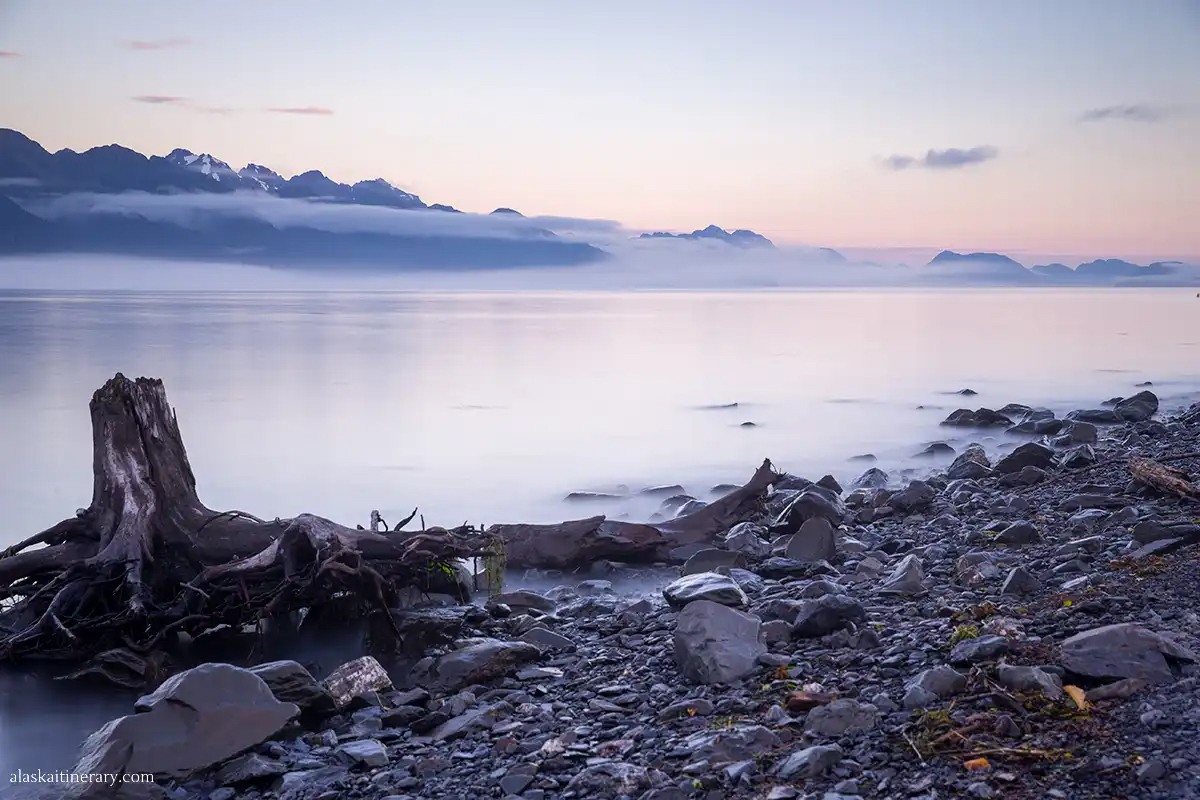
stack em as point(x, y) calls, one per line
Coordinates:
point(1019, 534)
point(940, 681)
point(1139, 408)
point(364, 752)
point(545, 639)
point(1020, 581)
point(249, 768)
point(355, 678)
point(841, 717)
point(815, 541)
point(715, 643)
point(1124, 650)
point(810, 762)
point(981, 648)
point(1030, 454)
point(710, 559)
point(747, 538)
point(711, 586)
point(481, 662)
point(914, 497)
point(523, 598)
point(971, 464)
point(824, 615)
point(194, 720)
point(907, 579)
point(1030, 679)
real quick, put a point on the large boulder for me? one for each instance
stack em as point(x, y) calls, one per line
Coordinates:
point(980, 418)
point(356, 678)
point(826, 614)
point(715, 643)
point(1030, 454)
point(1124, 650)
point(711, 586)
point(1139, 408)
point(292, 683)
point(813, 501)
point(907, 579)
point(193, 721)
point(481, 661)
point(971, 464)
point(815, 541)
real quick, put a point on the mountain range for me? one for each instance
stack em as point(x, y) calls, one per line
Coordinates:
point(739, 238)
point(993, 268)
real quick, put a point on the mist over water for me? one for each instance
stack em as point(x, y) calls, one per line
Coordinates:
point(491, 407)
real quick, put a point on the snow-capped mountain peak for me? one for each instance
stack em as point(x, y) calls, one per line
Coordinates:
point(262, 177)
point(204, 164)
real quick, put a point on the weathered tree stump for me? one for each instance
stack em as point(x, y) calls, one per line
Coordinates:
point(148, 559)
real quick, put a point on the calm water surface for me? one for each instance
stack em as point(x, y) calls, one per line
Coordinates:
point(491, 407)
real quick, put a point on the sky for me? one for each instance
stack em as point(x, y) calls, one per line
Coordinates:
point(1022, 126)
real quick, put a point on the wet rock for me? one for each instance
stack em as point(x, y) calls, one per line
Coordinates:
point(1124, 650)
point(1079, 456)
point(815, 541)
point(981, 648)
point(827, 614)
point(841, 717)
point(356, 678)
point(1097, 416)
point(524, 598)
point(873, 478)
point(710, 586)
point(814, 501)
point(1030, 454)
point(1020, 581)
point(908, 578)
point(749, 539)
point(971, 464)
point(941, 681)
point(1030, 679)
point(1142, 406)
point(364, 753)
point(712, 558)
point(292, 683)
point(614, 779)
point(811, 762)
point(1019, 534)
point(980, 418)
point(914, 497)
point(716, 644)
point(936, 450)
point(249, 768)
point(193, 721)
point(482, 661)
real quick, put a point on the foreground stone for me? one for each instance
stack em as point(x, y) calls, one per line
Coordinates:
point(356, 678)
point(715, 643)
point(1124, 650)
point(196, 719)
point(711, 586)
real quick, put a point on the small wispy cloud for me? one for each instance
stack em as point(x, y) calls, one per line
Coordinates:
point(952, 158)
point(159, 99)
point(1137, 112)
point(9, 54)
point(316, 111)
point(158, 44)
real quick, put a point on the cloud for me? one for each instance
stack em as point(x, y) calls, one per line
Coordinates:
point(159, 44)
point(316, 111)
point(952, 158)
point(159, 99)
point(9, 54)
point(1138, 112)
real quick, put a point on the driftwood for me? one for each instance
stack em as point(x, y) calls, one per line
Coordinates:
point(147, 560)
point(1163, 479)
point(578, 543)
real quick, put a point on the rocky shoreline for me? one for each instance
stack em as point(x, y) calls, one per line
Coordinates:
point(1020, 624)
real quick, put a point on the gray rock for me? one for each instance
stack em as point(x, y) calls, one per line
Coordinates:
point(873, 478)
point(194, 720)
point(364, 752)
point(815, 541)
point(715, 643)
point(356, 678)
point(614, 778)
point(980, 418)
point(811, 762)
point(524, 598)
point(914, 497)
point(940, 681)
point(545, 639)
point(1020, 581)
point(1030, 454)
point(705, 586)
point(292, 683)
point(1124, 650)
point(249, 768)
point(312, 783)
point(743, 538)
point(971, 464)
point(908, 578)
point(710, 559)
point(464, 722)
point(1019, 534)
point(981, 648)
point(841, 717)
point(1030, 679)
point(827, 614)
point(481, 661)
point(1139, 408)
point(776, 630)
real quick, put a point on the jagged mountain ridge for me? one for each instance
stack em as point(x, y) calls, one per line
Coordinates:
point(740, 237)
point(27, 168)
